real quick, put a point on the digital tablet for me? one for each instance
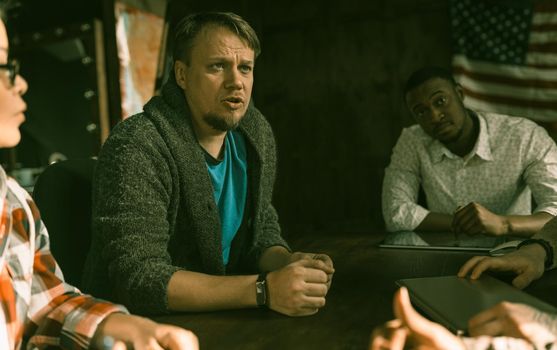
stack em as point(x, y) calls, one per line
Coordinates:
point(452, 301)
point(448, 241)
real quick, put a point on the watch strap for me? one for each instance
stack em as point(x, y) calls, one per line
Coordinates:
point(261, 290)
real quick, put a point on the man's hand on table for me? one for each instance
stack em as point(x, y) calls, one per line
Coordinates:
point(527, 263)
point(299, 288)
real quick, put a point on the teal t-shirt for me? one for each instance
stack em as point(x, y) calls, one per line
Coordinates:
point(230, 182)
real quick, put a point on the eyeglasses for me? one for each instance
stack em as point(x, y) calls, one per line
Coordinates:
point(13, 70)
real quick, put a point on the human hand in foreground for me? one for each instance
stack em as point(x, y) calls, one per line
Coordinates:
point(517, 321)
point(299, 288)
point(412, 329)
point(134, 332)
point(527, 263)
point(475, 219)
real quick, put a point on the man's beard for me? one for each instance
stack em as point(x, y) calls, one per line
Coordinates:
point(221, 123)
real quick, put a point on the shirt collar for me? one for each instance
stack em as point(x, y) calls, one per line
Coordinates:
point(482, 148)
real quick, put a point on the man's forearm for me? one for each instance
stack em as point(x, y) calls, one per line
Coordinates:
point(193, 291)
point(527, 225)
point(274, 258)
point(436, 222)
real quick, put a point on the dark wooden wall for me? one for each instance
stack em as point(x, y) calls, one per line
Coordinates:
point(329, 81)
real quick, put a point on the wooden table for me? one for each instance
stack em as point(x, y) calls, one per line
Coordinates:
point(360, 298)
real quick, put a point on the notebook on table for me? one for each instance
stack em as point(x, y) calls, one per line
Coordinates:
point(452, 301)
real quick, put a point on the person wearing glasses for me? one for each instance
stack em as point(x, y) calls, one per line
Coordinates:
point(37, 308)
point(479, 171)
point(182, 212)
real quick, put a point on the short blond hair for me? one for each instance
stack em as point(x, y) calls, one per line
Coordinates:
point(190, 26)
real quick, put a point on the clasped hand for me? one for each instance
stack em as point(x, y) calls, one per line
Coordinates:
point(299, 288)
point(475, 219)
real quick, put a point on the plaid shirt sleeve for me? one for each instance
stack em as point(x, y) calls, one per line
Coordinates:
point(58, 314)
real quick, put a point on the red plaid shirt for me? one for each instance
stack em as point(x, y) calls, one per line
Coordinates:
point(36, 305)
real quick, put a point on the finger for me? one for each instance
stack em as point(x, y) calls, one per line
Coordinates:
point(398, 339)
point(492, 328)
point(484, 317)
point(313, 302)
point(457, 217)
point(378, 342)
point(119, 345)
point(388, 338)
point(175, 338)
point(305, 311)
point(316, 289)
point(325, 258)
point(470, 265)
point(475, 228)
point(524, 279)
point(316, 264)
point(303, 256)
point(312, 275)
point(382, 343)
point(493, 264)
point(469, 223)
point(487, 263)
point(150, 344)
point(396, 323)
point(410, 318)
point(329, 280)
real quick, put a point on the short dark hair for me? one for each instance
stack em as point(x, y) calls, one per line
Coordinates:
point(190, 26)
point(424, 74)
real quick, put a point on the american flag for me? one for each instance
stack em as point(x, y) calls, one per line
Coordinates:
point(505, 56)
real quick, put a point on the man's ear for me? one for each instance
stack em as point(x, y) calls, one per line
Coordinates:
point(180, 73)
point(459, 91)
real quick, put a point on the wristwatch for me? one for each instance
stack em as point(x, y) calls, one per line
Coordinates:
point(546, 246)
point(261, 290)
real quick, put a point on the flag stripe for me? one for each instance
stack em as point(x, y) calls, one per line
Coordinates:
point(504, 79)
point(504, 71)
point(542, 59)
point(546, 27)
point(517, 92)
point(548, 6)
point(511, 101)
point(545, 47)
point(543, 37)
point(547, 115)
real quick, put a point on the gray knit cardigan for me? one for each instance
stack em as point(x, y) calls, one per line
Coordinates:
point(153, 207)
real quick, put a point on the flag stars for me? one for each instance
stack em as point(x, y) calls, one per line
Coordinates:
point(490, 32)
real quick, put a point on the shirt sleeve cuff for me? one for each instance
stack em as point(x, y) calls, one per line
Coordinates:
point(551, 210)
point(418, 216)
point(81, 324)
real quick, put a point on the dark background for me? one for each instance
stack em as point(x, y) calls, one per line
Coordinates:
point(329, 81)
